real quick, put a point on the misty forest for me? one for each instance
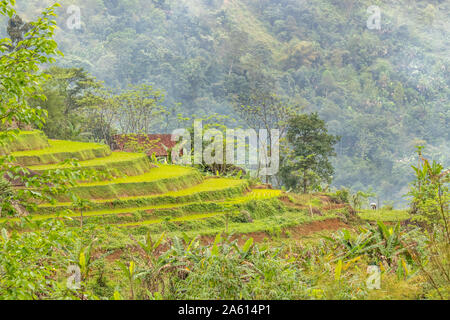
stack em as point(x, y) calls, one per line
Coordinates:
point(94, 205)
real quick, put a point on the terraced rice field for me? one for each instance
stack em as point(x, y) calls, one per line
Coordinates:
point(259, 194)
point(25, 140)
point(125, 163)
point(208, 189)
point(143, 195)
point(60, 150)
point(157, 180)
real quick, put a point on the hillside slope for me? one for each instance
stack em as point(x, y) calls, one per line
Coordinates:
point(384, 91)
point(138, 193)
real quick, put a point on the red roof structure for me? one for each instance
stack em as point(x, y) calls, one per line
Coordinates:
point(158, 144)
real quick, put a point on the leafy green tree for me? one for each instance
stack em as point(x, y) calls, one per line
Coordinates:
point(100, 110)
point(306, 162)
point(73, 84)
point(430, 196)
point(430, 209)
point(65, 92)
point(267, 111)
point(20, 79)
point(139, 109)
point(25, 263)
point(28, 259)
point(359, 198)
point(16, 30)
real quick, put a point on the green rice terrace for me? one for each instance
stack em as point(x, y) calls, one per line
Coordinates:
point(176, 210)
point(140, 196)
point(337, 115)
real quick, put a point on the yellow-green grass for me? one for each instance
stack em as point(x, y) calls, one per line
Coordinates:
point(61, 150)
point(125, 163)
point(209, 189)
point(384, 215)
point(191, 217)
point(25, 140)
point(158, 180)
point(273, 225)
point(256, 208)
point(256, 194)
point(178, 219)
point(106, 212)
point(213, 223)
point(276, 227)
point(198, 211)
point(306, 200)
point(161, 172)
point(212, 184)
point(202, 224)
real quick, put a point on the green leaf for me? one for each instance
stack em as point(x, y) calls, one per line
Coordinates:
point(248, 244)
point(82, 260)
point(5, 235)
point(160, 240)
point(131, 268)
point(117, 296)
point(338, 271)
point(215, 248)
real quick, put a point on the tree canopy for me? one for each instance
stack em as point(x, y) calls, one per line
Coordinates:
point(306, 161)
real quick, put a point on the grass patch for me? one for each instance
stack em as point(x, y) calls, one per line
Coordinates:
point(126, 163)
point(258, 209)
point(25, 140)
point(207, 226)
point(60, 150)
point(179, 219)
point(258, 194)
point(384, 215)
point(209, 189)
point(158, 180)
point(253, 201)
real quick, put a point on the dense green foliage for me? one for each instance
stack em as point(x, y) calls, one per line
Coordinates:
point(125, 253)
point(306, 163)
point(383, 91)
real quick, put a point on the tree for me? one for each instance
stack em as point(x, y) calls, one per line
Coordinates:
point(82, 205)
point(27, 260)
point(20, 82)
point(267, 111)
point(73, 84)
point(300, 53)
point(139, 109)
point(19, 76)
point(430, 199)
point(429, 192)
point(100, 109)
point(65, 93)
point(305, 161)
point(16, 30)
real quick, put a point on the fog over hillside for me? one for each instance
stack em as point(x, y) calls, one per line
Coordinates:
point(383, 90)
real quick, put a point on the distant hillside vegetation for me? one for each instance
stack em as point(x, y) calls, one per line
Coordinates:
point(384, 91)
